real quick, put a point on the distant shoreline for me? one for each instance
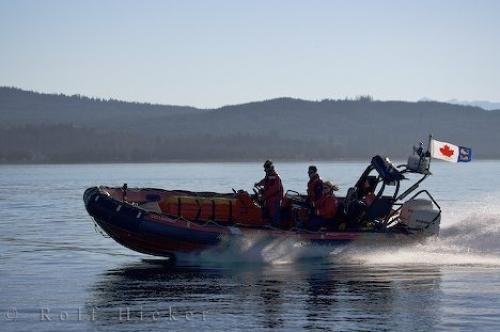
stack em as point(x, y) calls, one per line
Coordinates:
point(188, 161)
point(360, 160)
point(56, 129)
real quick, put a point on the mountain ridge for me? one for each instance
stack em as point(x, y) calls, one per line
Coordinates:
point(37, 127)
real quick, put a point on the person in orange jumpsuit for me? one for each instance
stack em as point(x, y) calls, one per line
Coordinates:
point(325, 208)
point(314, 186)
point(272, 193)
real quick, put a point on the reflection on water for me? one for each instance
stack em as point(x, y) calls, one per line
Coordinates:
point(314, 296)
point(52, 258)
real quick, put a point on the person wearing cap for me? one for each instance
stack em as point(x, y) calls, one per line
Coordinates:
point(314, 186)
point(272, 193)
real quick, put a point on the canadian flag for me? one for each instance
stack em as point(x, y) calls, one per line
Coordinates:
point(450, 152)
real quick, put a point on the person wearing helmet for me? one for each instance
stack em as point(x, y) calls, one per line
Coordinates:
point(314, 186)
point(271, 189)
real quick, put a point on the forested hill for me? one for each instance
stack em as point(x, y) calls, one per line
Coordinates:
point(43, 128)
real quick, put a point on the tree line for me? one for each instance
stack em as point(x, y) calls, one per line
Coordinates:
point(38, 128)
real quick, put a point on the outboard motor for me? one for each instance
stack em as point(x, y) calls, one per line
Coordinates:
point(420, 217)
point(419, 161)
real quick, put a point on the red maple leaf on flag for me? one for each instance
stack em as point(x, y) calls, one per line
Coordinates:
point(447, 151)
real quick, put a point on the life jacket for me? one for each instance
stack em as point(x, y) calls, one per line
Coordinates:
point(314, 189)
point(273, 188)
point(326, 206)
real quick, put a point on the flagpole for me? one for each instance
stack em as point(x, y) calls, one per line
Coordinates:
point(429, 153)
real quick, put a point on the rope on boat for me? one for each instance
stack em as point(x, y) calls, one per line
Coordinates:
point(212, 222)
point(98, 228)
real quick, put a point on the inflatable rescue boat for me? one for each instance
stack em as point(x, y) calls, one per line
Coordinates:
point(167, 222)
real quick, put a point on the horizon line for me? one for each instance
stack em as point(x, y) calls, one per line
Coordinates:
point(360, 97)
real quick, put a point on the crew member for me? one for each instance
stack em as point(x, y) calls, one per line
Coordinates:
point(314, 186)
point(272, 193)
point(367, 194)
point(359, 208)
point(326, 205)
point(325, 208)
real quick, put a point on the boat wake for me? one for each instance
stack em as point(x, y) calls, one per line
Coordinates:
point(465, 243)
point(470, 234)
point(468, 237)
point(465, 239)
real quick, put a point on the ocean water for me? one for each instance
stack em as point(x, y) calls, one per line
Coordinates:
point(58, 274)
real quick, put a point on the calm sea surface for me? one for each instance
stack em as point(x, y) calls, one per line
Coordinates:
point(58, 274)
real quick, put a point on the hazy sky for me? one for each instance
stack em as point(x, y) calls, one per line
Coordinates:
point(211, 53)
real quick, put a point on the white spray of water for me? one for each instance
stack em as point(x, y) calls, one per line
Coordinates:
point(470, 235)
